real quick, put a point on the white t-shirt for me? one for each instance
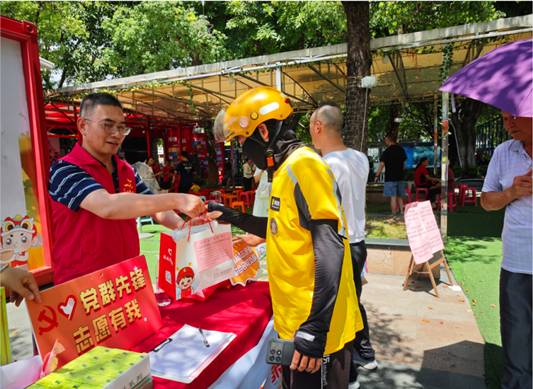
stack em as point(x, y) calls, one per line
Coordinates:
point(262, 195)
point(264, 187)
point(350, 168)
point(247, 171)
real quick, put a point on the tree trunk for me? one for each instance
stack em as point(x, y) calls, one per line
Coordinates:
point(211, 155)
point(464, 121)
point(294, 120)
point(453, 153)
point(63, 78)
point(358, 64)
point(393, 127)
point(259, 48)
point(196, 61)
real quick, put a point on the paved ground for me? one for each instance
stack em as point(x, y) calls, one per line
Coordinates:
point(18, 322)
point(421, 341)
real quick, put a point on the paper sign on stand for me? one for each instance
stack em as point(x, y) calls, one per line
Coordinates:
point(114, 307)
point(189, 264)
point(424, 240)
point(422, 231)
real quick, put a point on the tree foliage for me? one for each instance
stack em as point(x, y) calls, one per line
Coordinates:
point(264, 27)
point(70, 35)
point(156, 36)
point(60, 26)
point(402, 17)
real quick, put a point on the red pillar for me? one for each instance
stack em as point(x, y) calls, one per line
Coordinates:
point(148, 138)
point(179, 141)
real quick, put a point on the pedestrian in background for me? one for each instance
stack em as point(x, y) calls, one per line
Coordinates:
point(350, 168)
point(186, 172)
point(393, 160)
point(248, 175)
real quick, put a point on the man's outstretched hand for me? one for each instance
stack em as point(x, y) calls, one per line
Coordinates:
point(250, 240)
point(190, 205)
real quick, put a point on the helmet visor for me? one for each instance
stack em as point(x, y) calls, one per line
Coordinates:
point(218, 128)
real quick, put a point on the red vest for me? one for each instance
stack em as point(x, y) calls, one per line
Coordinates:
point(83, 242)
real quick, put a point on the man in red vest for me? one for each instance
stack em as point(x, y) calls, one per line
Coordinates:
point(96, 196)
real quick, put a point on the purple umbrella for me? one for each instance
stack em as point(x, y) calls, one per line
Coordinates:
point(502, 78)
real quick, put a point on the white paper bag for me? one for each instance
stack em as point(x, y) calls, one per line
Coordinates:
point(190, 264)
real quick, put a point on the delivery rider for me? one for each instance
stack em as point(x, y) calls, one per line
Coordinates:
point(309, 263)
point(96, 196)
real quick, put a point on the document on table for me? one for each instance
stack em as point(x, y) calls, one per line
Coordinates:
point(184, 355)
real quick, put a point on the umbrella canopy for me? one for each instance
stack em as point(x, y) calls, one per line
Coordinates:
point(501, 78)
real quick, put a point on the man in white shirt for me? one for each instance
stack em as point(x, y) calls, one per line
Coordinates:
point(247, 175)
point(509, 184)
point(350, 168)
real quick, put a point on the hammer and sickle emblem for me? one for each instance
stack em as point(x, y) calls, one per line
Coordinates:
point(52, 321)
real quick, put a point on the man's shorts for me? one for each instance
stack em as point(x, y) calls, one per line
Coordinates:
point(394, 189)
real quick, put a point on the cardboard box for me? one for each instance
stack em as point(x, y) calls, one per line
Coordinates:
point(104, 368)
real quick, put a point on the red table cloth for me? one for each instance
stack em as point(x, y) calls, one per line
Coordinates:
point(244, 311)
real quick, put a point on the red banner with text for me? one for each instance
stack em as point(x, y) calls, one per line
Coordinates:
point(114, 307)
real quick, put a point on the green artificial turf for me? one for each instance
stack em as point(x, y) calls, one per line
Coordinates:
point(474, 252)
point(150, 247)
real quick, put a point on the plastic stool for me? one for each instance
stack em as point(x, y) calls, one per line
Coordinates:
point(472, 199)
point(451, 201)
point(408, 194)
point(239, 204)
point(214, 197)
point(142, 219)
point(203, 198)
point(223, 198)
point(246, 197)
point(237, 192)
point(229, 199)
point(461, 194)
point(421, 190)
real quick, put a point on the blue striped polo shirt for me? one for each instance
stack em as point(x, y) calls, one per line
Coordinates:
point(69, 184)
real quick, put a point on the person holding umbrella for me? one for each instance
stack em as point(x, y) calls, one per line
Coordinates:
point(503, 78)
point(508, 184)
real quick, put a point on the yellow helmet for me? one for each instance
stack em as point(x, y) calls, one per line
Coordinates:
point(249, 110)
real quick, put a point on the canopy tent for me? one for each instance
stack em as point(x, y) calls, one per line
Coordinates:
point(408, 67)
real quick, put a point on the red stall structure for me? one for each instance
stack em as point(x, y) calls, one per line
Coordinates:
point(173, 135)
point(25, 232)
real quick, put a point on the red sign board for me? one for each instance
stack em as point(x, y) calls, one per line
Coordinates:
point(114, 307)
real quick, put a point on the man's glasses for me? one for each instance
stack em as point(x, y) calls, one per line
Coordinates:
point(111, 129)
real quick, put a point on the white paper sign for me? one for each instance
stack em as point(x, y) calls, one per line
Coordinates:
point(422, 231)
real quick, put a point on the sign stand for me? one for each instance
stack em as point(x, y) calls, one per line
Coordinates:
point(424, 240)
point(427, 269)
